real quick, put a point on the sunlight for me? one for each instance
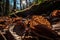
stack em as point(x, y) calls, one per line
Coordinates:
point(24, 2)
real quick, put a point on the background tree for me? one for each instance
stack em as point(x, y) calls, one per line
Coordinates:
point(7, 8)
point(20, 4)
point(14, 8)
point(1, 8)
point(26, 5)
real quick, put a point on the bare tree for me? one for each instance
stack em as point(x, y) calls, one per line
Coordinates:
point(1, 8)
point(29, 2)
point(7, 8)
point(26, 3)
point(14, 5)
point(20, 4)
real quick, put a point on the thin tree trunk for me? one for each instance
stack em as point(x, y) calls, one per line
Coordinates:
point(23, 4)
point(14, 5)
point(7, 8)
point(4, 4)
point(20, 5)
point(1, 7)
point(29, 2)
point(26, 3)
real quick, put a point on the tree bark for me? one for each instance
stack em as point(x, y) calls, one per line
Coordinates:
point(20, 5)
point(7, 8)
point(14, 5)
point(26, 4)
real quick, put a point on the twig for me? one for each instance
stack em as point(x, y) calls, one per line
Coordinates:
point(3, 35)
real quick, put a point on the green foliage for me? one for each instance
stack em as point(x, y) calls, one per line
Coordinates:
point(39, 1)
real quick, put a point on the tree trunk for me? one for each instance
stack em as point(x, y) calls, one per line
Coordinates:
point(4, 5)
point(7, 8)
point(20, 5)
point(26, 4)
point(29, 2)
point(14, 5)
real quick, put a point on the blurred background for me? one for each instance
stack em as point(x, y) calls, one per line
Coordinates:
point(9, 6)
